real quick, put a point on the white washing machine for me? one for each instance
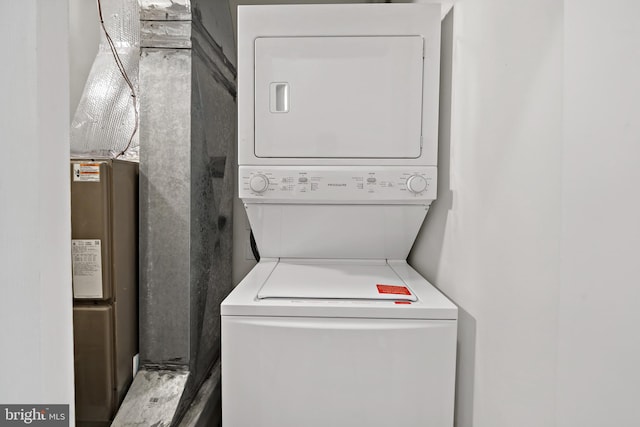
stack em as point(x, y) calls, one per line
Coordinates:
point(337, 168)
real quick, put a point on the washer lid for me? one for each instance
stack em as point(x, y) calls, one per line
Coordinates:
point(355, 280)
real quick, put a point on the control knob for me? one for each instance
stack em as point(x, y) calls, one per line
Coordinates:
point(416, 184)
point(259, 183)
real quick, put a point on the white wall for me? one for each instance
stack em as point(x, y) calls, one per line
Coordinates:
point(36, 361)
point(491, 240)
point(535, 233)
point(599, 314)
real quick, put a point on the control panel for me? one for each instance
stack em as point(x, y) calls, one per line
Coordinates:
point(338, 184)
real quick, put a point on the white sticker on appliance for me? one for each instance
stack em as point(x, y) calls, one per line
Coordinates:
point(86, 261)
point(87, 172)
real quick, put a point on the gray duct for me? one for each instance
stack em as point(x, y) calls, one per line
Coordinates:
point(187, 144)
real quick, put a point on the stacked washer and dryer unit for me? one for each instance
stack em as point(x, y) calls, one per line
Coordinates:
point(337, 115)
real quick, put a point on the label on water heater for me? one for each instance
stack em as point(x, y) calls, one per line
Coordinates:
point(86, 172)
point(86, 262)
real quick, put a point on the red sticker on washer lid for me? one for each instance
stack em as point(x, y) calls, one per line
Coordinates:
point(393, 289)
point(402, 302)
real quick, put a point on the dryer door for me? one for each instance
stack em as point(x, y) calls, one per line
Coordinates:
point(338, 97)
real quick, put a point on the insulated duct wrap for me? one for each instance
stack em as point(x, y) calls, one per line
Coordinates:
point(105, 117)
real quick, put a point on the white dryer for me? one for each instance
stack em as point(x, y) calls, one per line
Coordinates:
point(337, 169)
